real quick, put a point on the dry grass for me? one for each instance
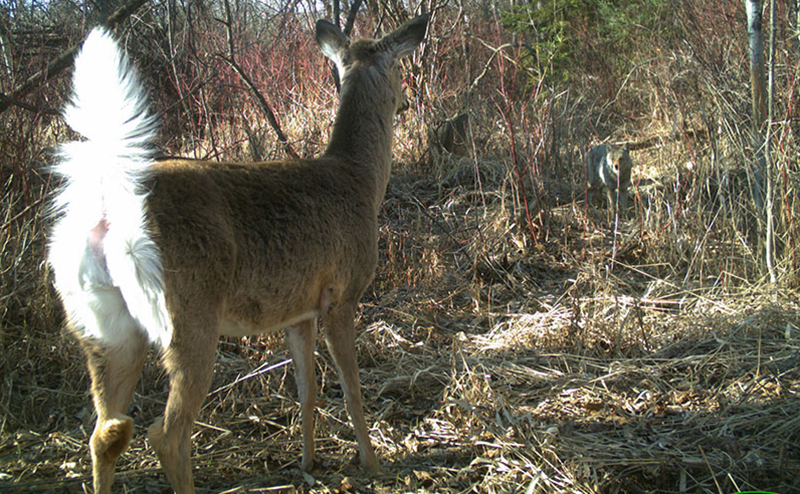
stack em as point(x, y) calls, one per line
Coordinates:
point(487, 367)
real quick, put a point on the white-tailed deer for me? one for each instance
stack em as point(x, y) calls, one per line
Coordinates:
point(177, 252)
point(452, 135)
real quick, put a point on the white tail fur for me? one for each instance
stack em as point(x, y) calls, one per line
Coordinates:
point(117, 264)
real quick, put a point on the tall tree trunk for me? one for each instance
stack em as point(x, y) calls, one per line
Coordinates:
point(759, 107)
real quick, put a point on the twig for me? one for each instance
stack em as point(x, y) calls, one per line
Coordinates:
point(6, 101)
point(710, 470)
point(263, 369)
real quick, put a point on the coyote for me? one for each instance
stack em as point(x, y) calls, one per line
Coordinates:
point(609, 167)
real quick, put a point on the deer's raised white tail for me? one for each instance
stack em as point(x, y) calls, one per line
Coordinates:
point(108, 268)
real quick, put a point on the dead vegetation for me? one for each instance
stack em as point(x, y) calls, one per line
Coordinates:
point(514, 339)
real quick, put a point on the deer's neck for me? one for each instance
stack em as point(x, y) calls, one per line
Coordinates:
point(362, 132)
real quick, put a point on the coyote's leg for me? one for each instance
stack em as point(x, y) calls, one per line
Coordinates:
point(340, 338)
point(115, 371)
point(301, 339)
point(189, 360)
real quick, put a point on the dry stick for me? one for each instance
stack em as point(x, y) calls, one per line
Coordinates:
point(273, 121)
point(62, 61)
point(351, 17)
point(265, 107)
point(710, 470)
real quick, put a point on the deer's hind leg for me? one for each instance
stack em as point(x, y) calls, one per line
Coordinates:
point(114, 370)
point(189, 360)
point(341, 341)
point(302, 340)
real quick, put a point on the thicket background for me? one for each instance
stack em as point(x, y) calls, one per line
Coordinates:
point(516, 338)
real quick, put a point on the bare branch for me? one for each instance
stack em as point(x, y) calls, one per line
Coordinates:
point(62, 61)
point(6, 101)
point(262, 101)
point(351, 17)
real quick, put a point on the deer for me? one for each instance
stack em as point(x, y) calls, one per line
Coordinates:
point(173, 252)
point(452, 135)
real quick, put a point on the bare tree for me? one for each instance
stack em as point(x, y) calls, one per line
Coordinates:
point(794, 19)
point(757, 88)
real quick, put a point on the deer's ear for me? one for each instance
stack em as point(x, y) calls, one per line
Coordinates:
point(404, 40)
point(331, 41)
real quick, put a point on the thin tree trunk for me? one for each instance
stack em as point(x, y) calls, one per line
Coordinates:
point(760, 137)
point(770, 175)
point(795, 121)
point(758, 97)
